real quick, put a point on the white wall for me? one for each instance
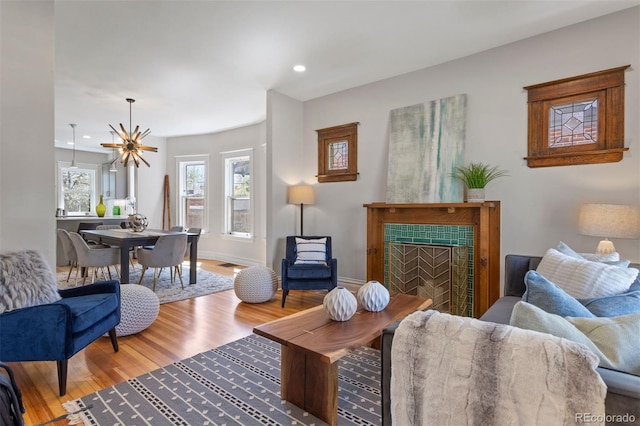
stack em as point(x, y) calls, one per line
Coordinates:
point(539, 206)
point(284, 168)
point(149, 182)
point(213, 244)
point(27, 209)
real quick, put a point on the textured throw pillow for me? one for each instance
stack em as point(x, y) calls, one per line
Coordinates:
point(311, 251)
point(585, 279)
point(609, 259)
point(549, 297)
point(25, 280)
point(614, 340)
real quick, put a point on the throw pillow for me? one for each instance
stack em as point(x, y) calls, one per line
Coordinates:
point(25, 280)
point(583, 278)
point(313, 251)
point(613, 306)
point(609, 259)
point(549, 297)
point(614, 340)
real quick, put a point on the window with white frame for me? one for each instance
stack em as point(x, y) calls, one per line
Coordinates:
point(237, 193)
point(192, 182)
point(77, 192)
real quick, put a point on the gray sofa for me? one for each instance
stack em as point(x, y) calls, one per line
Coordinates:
point(623, 389)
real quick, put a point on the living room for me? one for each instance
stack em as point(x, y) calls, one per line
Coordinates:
point(539, 205)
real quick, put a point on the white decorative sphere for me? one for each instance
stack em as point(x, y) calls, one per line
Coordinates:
point(256, 284)
point(137, 222)
point(340, 304)
point(373, 296)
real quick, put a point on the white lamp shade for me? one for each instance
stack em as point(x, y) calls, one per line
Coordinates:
point(609, 221)
point(301, 194)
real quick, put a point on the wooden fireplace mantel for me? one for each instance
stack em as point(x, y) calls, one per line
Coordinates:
point(485, 219)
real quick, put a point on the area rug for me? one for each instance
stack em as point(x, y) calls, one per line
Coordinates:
point(206, 283)
point(235, 384)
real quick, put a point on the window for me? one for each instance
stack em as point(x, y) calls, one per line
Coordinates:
point(77, 193)
point(338, 153)
point(192, 182)
point(577, 120)
point(238, 204)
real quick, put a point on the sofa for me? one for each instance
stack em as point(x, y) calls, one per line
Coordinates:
point(623, 389)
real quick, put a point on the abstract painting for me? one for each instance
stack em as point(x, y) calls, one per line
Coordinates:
point(426, 144)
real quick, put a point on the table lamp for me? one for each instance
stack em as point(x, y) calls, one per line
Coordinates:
point(609, 221)
point(301, 194)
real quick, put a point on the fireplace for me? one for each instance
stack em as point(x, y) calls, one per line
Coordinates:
point(435, 272)
point(472, 225)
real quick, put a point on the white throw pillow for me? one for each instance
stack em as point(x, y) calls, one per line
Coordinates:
point(584, 279)
point(311, 251)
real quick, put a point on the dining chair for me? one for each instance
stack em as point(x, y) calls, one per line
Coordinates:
point(96, 258)
point(167, 252)
point(107, 227)
point(187, 251)
point(69, 252)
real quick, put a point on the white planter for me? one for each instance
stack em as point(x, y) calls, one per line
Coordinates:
point(475, 195)
point(340, 304)
point(373, 296)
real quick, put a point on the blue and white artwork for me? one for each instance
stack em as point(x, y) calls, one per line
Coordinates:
point(426, 144)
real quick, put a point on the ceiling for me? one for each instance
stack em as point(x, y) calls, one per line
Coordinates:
point(197, 67)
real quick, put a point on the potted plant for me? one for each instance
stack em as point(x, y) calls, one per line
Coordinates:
point(475, 177)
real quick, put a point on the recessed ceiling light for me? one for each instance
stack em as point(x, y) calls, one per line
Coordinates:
point(70, 143)
point(299, 68)
point(87, 137)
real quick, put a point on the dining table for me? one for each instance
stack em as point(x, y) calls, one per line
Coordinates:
point(127, 239)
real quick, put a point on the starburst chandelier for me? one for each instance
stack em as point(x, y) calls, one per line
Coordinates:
point(130, 146)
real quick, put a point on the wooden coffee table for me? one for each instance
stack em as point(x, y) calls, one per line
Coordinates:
point(311, 343)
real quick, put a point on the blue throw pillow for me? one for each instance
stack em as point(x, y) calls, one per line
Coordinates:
point(613, 306)
point(549, 297)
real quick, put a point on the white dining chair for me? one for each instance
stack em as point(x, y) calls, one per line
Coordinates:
point(168, 251)
point(96, 258)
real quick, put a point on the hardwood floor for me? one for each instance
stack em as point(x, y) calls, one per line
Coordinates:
point(183, 329)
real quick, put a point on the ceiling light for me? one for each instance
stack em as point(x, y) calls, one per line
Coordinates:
point(86, 137)
point(299, 68)
point(131, 146)
point(115, 157)
point(73, 161)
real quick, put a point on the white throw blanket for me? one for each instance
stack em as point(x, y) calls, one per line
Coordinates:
point(450, 370)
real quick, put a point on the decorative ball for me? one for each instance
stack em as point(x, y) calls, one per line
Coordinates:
point(373, 296)
point(256, 284)
point(340, 304)
point(137, 222)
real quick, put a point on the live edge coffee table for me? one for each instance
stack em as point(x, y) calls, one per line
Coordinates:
point(311, 343)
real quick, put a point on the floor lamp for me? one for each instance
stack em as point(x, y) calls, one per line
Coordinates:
point(301, 194)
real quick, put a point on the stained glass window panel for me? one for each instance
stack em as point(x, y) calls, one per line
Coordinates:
point(573, 123)
point(338, 155)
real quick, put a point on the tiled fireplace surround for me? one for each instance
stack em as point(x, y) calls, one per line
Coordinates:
point(474, 225)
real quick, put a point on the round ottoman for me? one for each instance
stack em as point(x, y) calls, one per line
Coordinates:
point(139, 307)
point(256, 284)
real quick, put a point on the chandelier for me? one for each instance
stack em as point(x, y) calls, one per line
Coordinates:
point(130, 146)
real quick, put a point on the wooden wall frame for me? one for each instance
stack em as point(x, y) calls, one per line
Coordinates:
point(338, 153)
point(605, 142)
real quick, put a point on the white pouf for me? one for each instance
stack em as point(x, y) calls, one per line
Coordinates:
point(139, 307)
point(256, 284)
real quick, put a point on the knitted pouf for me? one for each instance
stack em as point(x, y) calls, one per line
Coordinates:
point(139, 307)
point(256, 284)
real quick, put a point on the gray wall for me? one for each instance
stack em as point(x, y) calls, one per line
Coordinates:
point(539, 206)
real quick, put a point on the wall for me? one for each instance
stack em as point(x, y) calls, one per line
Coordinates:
point(539, 206)
point(149, 182)
point(213, 244)
point(27, 211)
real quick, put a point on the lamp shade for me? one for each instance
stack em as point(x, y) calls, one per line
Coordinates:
point(609, 221)
point(302, 194)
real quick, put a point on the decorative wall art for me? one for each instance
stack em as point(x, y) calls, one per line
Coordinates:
point(426, 144)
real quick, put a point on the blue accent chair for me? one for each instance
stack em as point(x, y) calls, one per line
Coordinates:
point(307, 276)
point(57, 331)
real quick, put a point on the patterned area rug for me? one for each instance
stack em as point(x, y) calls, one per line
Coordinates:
point(235, 384)
point(206, 283)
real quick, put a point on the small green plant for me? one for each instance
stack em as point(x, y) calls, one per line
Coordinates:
point(478, 175)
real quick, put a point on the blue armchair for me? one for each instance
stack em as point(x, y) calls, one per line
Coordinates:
point(308, 270)
point(57, 331)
